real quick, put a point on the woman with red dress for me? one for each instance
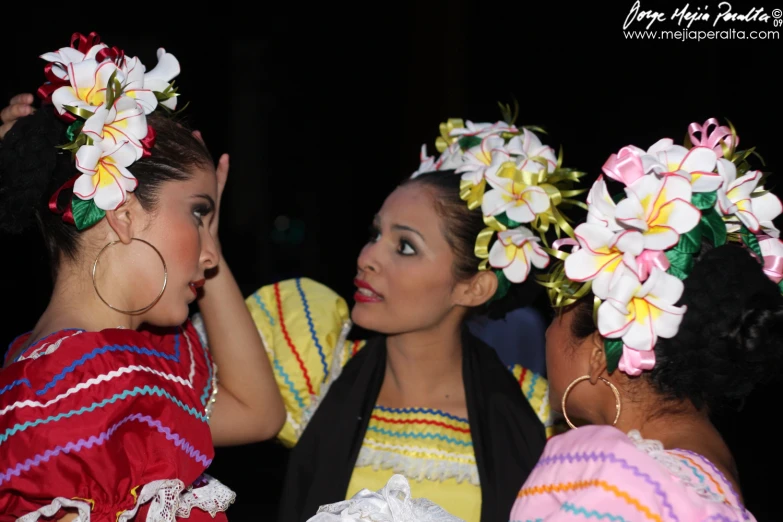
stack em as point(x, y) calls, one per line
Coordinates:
point(110, 406)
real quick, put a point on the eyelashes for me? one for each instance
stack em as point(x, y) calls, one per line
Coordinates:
point(404, 248)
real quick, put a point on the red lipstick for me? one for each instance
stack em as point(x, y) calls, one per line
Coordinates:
point(366, 293)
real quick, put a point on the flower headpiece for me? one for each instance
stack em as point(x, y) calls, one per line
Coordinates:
point(105, 96)
point(517, 183)
point(634, 250)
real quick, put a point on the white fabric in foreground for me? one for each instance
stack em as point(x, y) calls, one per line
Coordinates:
point(393, 503)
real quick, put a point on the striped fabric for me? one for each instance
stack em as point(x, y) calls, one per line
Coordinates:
point(599, 473)
point(304, 325)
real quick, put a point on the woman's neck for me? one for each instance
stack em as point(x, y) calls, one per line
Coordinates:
point(681, 426)
point(74, 304)
point(425, 366)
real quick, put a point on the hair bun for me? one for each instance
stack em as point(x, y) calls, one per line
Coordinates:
point(758, 335)
point(28, 162)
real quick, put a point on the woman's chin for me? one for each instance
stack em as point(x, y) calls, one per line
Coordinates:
point(167, 317)
point(363, 316)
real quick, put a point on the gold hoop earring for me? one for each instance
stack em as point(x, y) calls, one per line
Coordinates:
point(584, 378)
point(140, 310)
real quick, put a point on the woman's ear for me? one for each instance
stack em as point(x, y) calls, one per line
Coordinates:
point(477, 290)
point(597, 357)
point(125, 218)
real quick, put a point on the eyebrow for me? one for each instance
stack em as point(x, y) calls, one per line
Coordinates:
point(409, 229)
point(377, 222)
point(208, 198)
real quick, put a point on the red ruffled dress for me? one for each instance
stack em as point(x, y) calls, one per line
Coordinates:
point(112, 425)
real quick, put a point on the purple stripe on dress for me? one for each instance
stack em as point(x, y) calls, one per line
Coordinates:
point(99, 440)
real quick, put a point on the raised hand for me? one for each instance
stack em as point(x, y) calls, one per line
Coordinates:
point(20, 105)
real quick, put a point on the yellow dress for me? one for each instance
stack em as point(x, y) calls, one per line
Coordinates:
point(305, 326)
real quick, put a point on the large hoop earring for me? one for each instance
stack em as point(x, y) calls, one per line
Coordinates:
point(576, 381)
point(140, 310)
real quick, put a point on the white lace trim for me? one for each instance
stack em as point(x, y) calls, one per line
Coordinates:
point(418, 469)
point(674, 465)
point(167, 502)
point(393, 503)
point(82, 507)
point(163, 496)
point(213, 497)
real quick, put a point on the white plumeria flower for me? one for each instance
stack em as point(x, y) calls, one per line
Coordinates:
point(451, 158)
point(65, 56)
point(735, 198)
point(87, 90)
point(514, 252)
point(142, 84)
point(105, 178)
point(483, 130)
point(427, 163)
point(483, 160)
point(600, 207)
point(520, 202)
point(122, 123)
point(639, 312)
point(532, 152)
point(660, 209)
point(696, 164)
point(601, 253)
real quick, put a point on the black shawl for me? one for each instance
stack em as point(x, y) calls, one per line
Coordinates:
point(507, 435)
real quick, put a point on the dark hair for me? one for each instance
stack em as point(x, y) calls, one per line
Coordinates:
point(462, 226)
point(32, 168)
point(730, 338)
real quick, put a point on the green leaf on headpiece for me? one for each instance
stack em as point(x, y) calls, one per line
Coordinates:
point(713, 227)
point(503, 285)
point(78, 141)
point(113, 89)
point(169, 92)
point(85, 213)
point(704, 200)
point(173, 113)
point(680, 263)
point(536, 128)
point(509, 116)
point(613, 348)
point(750, 240)
point(505, 220)
point(468, 142)
point(780, 286)
point(618, 197)
point(690, 242)
point(74, 129)
point(78, 111)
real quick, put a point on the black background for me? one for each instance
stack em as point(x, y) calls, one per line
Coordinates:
point(324, 108)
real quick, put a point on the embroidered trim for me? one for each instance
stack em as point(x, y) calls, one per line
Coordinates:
point(47, 348)
point(418, 469)
point(674, 465)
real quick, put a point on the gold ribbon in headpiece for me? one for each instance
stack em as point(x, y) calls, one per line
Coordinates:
point(561, 290)
point(445, 139)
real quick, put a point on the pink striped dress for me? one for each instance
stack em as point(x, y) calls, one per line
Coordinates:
point(601, 473)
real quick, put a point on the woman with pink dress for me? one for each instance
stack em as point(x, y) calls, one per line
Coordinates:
point(669, 309)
